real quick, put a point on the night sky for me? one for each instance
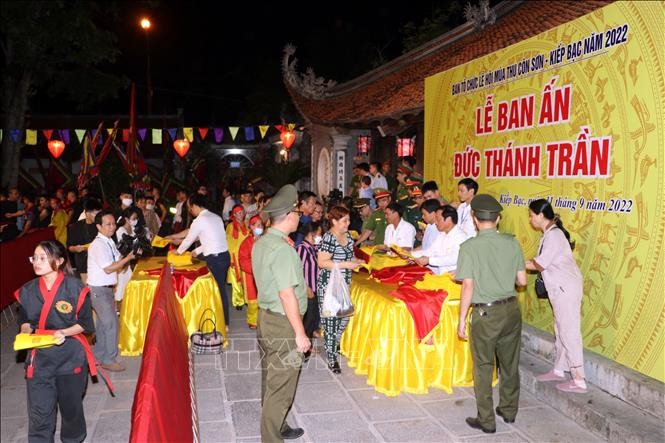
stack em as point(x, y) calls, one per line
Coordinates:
point(221, 61)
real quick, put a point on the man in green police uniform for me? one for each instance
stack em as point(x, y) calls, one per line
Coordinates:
point(282, 302)
point(489, 266)
point(375, 225)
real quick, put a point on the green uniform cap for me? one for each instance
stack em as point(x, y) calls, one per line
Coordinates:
point(485, 207)
point(283, 202)
point(360, 202)
point(381, 192)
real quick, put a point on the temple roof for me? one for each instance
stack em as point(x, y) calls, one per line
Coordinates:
point(396, 90)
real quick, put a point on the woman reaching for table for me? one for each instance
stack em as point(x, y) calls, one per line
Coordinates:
point(335, 250)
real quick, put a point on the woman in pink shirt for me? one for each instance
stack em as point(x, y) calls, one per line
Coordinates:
point(563, 281)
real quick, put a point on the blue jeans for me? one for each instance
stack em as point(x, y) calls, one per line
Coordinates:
point(219, 266)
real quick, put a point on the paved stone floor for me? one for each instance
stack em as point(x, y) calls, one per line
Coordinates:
point(340, 408)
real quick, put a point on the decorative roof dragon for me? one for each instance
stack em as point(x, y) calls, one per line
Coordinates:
point(308, 84)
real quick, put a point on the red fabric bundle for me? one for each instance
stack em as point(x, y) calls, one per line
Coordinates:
point(424, 305)
point(360, 254)
point(401, 274)
point(182, 279)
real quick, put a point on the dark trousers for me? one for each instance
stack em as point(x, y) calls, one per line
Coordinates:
point(219, 267)
point(496, 333)
point(64, 392)
point(312, 318)
point(280, 368)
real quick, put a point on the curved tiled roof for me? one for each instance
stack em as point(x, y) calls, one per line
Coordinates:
point(398, 88)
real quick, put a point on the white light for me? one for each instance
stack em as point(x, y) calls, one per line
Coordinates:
point(235, 151)
point(283, 152)
point(172, 210)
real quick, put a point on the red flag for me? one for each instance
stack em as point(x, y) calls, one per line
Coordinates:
point(48, 133)
point(125, 135)
point(131, 143)
point(203, 132)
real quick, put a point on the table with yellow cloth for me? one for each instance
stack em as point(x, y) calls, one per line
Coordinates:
point(381, 340)
point(139, 295)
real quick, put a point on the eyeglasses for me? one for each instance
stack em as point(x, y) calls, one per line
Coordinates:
point(38, 258)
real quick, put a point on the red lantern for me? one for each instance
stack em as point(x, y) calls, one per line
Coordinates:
point(287, 138)
point(405, 147)
point(56, 147)
point(363, 144)
point(181, 146)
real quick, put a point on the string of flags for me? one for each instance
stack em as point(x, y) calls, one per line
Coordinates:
point(151, 135)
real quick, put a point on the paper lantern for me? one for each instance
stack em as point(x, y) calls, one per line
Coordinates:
point(181, 146)
point(56, 147)
point(363, 144)
point(287, 138)
point(405, 147)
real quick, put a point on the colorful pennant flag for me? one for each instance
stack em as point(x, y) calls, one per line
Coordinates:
point(249, 133)
point(30, 137)
point(64, 136)
point(156, 136)
point(125, 135)
point(189, 134)
point(291, 126)
point(219, 134)
point(80, 133)
point(173, 133)
point(14, 134)
point(47, 133)
point(263, 129)
point(0, 135)
point(142, 132)
point(203, 132)
point(109, 130)
point(234, 131)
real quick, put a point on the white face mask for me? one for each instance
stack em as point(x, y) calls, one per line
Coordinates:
point(258, 231)
point(127, 201)
point(150, 207)
point(317, 239)
point(133, 223)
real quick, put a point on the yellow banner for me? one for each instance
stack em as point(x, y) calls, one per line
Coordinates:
point(574, 115)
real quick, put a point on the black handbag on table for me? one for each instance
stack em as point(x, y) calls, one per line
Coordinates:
point(207, 343)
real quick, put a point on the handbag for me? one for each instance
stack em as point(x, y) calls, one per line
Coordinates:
point(336, 299)
point(207, 343)
point(539, 285)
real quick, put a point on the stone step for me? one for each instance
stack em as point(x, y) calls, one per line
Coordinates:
point(597, 410)
point(645, 393)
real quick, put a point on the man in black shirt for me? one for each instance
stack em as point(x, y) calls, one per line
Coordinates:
point(79, 236)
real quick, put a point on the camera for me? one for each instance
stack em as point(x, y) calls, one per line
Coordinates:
point(138, 244)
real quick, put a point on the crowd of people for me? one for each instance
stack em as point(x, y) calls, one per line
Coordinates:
point(273, 255)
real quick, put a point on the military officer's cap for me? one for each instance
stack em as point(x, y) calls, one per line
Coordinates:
point(411, 181)
point(381, 192)
point(401, 169)
point(416, 191)
point(485, 207)
point(360, 202)
point(283, 202)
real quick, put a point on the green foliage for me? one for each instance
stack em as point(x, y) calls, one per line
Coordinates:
point(60, 44)
point(443, 19)
point(282, 173)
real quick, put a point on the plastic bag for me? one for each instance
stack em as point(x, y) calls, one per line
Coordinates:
point(336, 299)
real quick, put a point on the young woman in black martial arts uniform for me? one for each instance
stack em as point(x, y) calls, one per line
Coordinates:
point(56, 303)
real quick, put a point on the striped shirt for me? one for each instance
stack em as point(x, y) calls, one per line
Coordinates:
point(307, 254)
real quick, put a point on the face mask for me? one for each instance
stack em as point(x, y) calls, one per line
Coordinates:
point(150, 207)
point(317, 239)
point(127, 201)
point(258, 231)
point(133, 223)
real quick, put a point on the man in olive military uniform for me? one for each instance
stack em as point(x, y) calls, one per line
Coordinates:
point(361, 212)
point(402, 175)
point(282, 300)
point(374, 227)
point(489, 266)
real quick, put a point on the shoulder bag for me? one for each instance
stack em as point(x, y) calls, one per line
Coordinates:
point(207, 343)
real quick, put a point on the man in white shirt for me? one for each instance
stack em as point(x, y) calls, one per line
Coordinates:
point(428, 213)
point(229, 203)
point(378, 180)
point(467, 188)
point(248, 203)
point(441, 256)
point(208, 229)
point(398, 232)
point(104, 262)
point(180, 219)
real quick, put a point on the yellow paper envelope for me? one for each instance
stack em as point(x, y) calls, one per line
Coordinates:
point(29, 341)
point(159, 242)
point(184, 259)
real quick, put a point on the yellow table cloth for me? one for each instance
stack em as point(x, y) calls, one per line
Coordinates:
point(381, 341)
point(140, 292)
